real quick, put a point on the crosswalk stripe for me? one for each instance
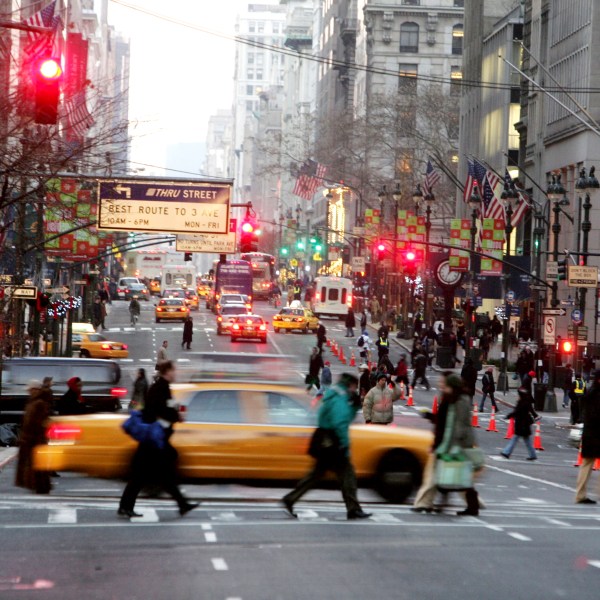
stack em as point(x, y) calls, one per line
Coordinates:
point(149, 515)
point(62, 515)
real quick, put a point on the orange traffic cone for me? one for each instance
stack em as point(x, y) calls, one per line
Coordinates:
point(334, 348)
point(402, 390)
point(492, 425)
point(342, 357)
point(596, 464)
point(579, 460)
point(511, 429)
point(352, 359)
point(410, 402)
point(328, 343)
point(434, 406)
point(537, 438)
point(369, 365)
point(475, 417)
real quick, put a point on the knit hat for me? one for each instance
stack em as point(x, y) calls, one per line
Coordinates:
point(327, 363)
point(531, 373)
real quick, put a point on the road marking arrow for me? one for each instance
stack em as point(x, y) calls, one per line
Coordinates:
point(120, 189)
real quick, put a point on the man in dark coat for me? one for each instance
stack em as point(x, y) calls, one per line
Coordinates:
point(524, 415)
point(469, 375)
point(321, 336)
point(315, 364)
point(590, 439)
point(153, 465)
point(188, 332)
point(420, 364)
point(350, 323)
point(488, 386)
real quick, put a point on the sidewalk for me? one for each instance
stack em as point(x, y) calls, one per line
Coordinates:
point(6, 455)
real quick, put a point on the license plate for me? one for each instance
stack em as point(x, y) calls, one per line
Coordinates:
point(287, 320)
point(172, 310)
point(249, 328)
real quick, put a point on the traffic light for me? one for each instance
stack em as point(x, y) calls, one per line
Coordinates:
point(567, 347)
point(187, 256)
point(299, 245)
point(380, 251)
point(47, 75)
point(562, 269)
point(249, 235)
point(409, 263)
point(284, 251)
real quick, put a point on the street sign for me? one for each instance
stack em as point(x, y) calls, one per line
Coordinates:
point(166, 206)
point(510, 296)
point(549, 330)
point(358, 231)
point(58, 290)
point(552, 270)
point(558, 312)
point(576, 316)
point(6, 279)
point(539, 288)
point(582, 333)
point(213, 243)
point(26, 292)
point(579, 276)
point(358, 264)
point(293, 262)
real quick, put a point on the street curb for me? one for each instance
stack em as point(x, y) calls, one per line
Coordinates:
point(6, 455)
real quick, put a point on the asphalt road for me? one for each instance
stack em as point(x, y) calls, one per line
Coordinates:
point(530, 542)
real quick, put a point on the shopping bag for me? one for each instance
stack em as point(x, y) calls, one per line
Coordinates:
point(453, 473)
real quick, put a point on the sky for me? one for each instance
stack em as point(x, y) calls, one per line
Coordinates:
point(179, 77)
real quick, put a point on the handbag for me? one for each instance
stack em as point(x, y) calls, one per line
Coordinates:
point(453, 473)
point(324, 444)
point(148, 433)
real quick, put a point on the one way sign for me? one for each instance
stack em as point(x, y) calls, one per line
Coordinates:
point(557, 312)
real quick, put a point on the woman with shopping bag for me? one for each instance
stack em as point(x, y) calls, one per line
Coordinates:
point(453, 458)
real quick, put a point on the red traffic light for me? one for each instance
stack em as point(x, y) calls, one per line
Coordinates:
point(567, 347)
point(49, 68)
point(381, 247)
point(410, 255)
point(247, 227)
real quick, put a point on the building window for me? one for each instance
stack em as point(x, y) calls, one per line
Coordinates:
point(261, 27)
point(250, 74)
point(459, 3)
point(248, 105)
point(250, 60)
point(407, 80)
point(259, 74)
point(249, 90)
point(251, 27)
point(409, 37)
point(260, 59)
point(411, 2)
point(457, 39)
point(455, 81)
point(276, 28)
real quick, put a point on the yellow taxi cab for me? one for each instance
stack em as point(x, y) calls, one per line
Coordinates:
point(204, 287)
point(298, 317)
point(95, 345)
point(155, 287)
point(239, 431)
point(171, 309)
point(192, 300)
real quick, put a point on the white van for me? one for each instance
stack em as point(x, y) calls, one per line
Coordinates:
point(333, 296)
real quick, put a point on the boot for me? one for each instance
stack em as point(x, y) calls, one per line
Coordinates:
point(472, 504)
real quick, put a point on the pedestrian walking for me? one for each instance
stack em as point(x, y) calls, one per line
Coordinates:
point(469, 376)
point(383, 345)
point(321, 336)
point(578, 387)
point(350, 323)
point(330, 447)
point(33, 433)
point(152, 465)
point(72, 402)
point(590, 439)
point(140, 390)
point(452, 428)
point(363, 320)
point(134, 310)
point(402, 371)
point(326, 376)
point(524, 415)
point(97, 318)
point(364, 346)
point(315, 364)
point(488, 387)
point(378, 404)
point(420, 369)
point(364, 382)
point(162, 355)
point(188, 332)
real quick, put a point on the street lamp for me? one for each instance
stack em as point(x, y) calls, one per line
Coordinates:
point(429, 199)
point(475, 204)
point(556, 194)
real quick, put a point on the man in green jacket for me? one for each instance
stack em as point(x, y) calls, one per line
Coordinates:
point(337, 412)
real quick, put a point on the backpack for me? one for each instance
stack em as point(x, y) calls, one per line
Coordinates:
point(361, 341)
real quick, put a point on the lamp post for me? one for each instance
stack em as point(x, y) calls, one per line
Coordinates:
point(397, 196)
point(508, 196)
point(429, 199)
point(555, 192)
point(588, 185)
point(475, 204)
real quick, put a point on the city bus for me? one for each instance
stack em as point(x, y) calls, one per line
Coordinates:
point(263, 273)
point(231, 277)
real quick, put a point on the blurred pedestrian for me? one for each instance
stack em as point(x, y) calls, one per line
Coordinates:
point(71, 402)
point(488, 387)
point(364, 382)
point(326, 376)
point(330, 447)
point(162, 355)
point(321, 336)
point(350, 323)
point(315, 364)
point(363, 320)
point(524, 415)
point(33, 433)
point(420, 369)
point(152, 465)
point(383, 345)
point(452, 428)
point(590, 439)
point(97, 318)
point(378, 404)
point(567, 384)
point(402, 371)
point(188, 332)
point(469, 376)
point(140, 390)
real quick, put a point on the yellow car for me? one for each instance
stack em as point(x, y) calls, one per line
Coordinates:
point(239, 431)
point(171, 309)
point(192, 300)
point(94, 345)
point(155, 287)
point(204, 288)
point(295, 318)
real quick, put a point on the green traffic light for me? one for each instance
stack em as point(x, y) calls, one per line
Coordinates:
point(313, 240)
point(318, 247)
point(300, 245)
point(284, 251)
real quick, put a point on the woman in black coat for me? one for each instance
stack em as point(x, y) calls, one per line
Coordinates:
point(350, 323)
point(524, 415)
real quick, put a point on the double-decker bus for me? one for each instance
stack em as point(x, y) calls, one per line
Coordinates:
point(263, 273)
point(231, 277)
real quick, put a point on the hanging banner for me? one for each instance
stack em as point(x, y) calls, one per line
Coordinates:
point(460, 237)
point(492, 241)
point(371, 224)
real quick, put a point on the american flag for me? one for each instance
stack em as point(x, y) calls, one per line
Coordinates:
point(431, 178)
point(471, 181)
point(309, 178)
point(79, 120)
point(490, 184)
point(42, 42)
point(522, 208)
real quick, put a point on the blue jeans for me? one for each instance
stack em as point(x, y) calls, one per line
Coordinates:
point(565, 398)
point(513, 441)
point(485, 395)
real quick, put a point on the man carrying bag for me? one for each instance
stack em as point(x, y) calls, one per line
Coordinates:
point(330, 447)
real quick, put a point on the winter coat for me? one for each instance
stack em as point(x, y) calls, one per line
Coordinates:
point(378, 404)
point(469, 376)
point(590, 417)
point(337, 413)
point(188, 330)
point(157, 403)
point(321, 333)
point(402, 368)
point(70, 403)
point(315, 365)
point(140, 389)
point(350, 319)
point(462, 431)
point(523, 414)
point(488, 384)
point(326, 377)
point(364, 383)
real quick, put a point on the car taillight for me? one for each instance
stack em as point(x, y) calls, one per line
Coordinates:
point(263, 327)
point(62, 433)
point(126, 291)
point(276, 318)
point(159, 309)
point(118, 392)
point(298, 319)
point(219, 318)
point(124, 346)
point(248, 306)
point(235, 326)
point(182, 411)
point(106, 346)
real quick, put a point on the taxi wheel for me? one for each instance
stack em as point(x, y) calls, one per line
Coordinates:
point(276, 329)
point(397, 475)
point(84, 354)
point(157, 320)
point(305, 330)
